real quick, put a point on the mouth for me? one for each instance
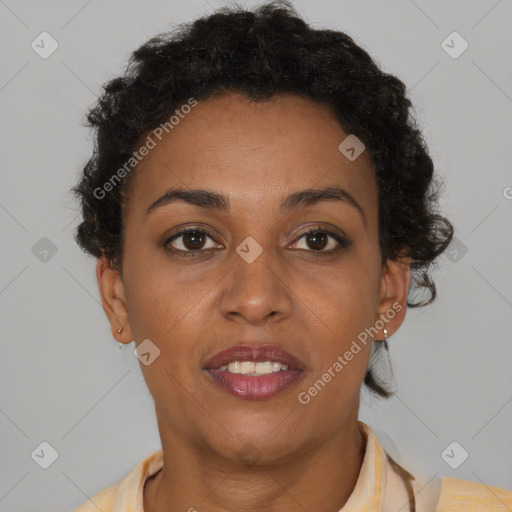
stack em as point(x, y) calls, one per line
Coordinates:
point(254, 373)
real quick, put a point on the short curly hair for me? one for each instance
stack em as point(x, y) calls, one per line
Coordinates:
point(260, 53)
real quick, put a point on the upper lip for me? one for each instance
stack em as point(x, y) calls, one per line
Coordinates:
point(252, 353)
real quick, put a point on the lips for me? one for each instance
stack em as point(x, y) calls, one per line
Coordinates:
point(255, 354)
point(254, 387)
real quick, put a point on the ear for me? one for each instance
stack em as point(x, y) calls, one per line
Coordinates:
point(394, 289)
point(113, 299)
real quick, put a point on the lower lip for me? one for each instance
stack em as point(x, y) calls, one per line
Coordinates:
point(255, 388)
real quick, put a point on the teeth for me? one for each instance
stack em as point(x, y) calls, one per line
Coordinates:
point(252, 368)
point(246, 367)
point(263, 367)
point(234, 367)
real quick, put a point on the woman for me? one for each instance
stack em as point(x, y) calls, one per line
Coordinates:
point(260, 201)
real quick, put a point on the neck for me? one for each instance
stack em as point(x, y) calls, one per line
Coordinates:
point(193, 479)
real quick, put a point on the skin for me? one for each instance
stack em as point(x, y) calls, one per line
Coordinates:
point(308, 456)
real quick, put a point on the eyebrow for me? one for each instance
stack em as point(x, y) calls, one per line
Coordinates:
point(211, 200)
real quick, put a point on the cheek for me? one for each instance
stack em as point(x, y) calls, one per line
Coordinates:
point(174, 313)
point(337, 307)
point(160, 296)
point(171, 312)
point(168, 312)
point(346, 298)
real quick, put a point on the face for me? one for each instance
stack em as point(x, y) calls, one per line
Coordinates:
point(194, 294)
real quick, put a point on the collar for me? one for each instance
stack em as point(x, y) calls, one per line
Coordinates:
point(368, 493)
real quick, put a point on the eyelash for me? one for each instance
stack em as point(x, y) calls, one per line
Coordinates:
point(343, 242)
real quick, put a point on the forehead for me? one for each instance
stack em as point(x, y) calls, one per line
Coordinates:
point(252, 152)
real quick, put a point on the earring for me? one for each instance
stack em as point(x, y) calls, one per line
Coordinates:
point(385, 340)
point(119, 332)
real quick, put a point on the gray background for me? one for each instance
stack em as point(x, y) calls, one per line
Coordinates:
point(63, 378)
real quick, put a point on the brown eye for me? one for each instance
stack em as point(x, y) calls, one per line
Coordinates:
point(322, 241)
point(193, 240)
point(190, 240)
point(317, 240)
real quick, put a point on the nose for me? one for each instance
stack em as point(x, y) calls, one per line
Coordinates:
point(257, 291)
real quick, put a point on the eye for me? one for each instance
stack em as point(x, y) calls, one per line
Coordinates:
point(323, 241)
point(190, 240)
point(317, 240)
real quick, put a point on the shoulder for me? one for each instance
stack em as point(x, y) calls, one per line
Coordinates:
point(127, 494)
point(458, 495)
